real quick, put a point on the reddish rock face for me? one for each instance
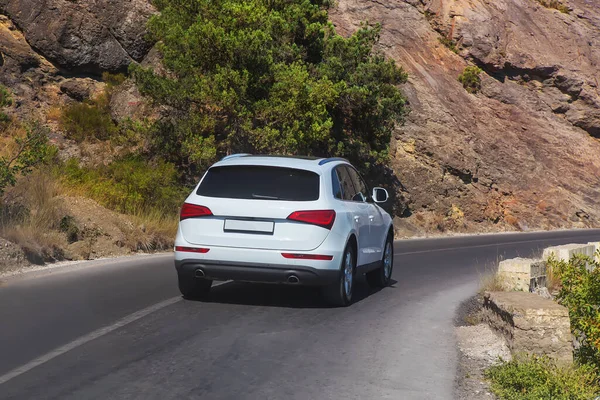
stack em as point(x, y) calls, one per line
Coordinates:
point(519, 155)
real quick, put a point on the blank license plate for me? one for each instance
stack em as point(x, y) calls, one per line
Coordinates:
point(237, 225)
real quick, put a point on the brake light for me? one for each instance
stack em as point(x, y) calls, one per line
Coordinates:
point(193, 211)
point(307, 256)
point(192, 249)
point(323, 218)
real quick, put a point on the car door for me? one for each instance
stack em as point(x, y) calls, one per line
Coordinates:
point(356, 204)
point(374, 240)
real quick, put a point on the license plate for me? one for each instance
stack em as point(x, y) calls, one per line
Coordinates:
point(245, 226)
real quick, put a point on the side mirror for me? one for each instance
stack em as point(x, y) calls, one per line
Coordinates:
point(380, 195)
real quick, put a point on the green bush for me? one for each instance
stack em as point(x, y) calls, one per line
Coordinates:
point(88, 120)
point(112, 80)
point(449, 43)
point(30, 151)
point(536, 378)
point(268, 77)
point(5, 101)
point(580, 293)
point(5, 97)
point(127, 185)
point(470, 79)
point(4, 120)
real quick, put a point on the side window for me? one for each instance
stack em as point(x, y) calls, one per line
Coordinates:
point(362, 193)
point(335, 184)
point(348, 191)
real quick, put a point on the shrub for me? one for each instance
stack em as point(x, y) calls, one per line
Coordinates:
point(470, 79)
point(88, 120)
point(4, 120)
point(129, 185)
point(556, 4)
point(112, 80)
point(535, 378)
point(69, 226)
point(29, 151)
point(5, 97)
point(580, 293)
point(449, 43)
point(5, 101)
point(268, 77)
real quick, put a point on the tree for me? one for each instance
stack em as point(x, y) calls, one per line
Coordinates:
point(30, 151)
point(268, 76)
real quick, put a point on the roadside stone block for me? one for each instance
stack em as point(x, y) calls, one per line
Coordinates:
point(530, 324)
point(565, 252)
point(596, 250)
point(523, 274)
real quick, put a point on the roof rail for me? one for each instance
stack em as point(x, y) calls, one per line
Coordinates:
point(331, 159)
point(235, 156)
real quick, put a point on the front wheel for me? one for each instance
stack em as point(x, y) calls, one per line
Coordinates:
point(340, 293)
point(192, 287)
point(381, 276)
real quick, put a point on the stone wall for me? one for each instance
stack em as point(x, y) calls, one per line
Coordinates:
point(531, 324)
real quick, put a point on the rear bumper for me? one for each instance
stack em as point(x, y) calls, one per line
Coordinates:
point(256, 272)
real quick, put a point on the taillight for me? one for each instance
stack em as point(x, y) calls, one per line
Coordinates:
point(324, 218)
point(307, 256)
point(193, 211)
point(202, 250)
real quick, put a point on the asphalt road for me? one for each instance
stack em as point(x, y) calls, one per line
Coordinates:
point(118, 330)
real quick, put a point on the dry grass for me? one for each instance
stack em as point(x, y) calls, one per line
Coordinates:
point(30, 217)
point(491, 282)
point(8, 146)
point(553, 282)
point(557, 5)
point(153, 231)
point(54, 114)
point(40, 217)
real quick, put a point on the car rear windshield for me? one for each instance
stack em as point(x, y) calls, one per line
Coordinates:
point(260, 183)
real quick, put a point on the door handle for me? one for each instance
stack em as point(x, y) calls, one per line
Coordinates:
point(356, 218)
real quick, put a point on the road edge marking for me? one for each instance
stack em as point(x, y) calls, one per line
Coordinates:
point(90, 336)
point(86, 338)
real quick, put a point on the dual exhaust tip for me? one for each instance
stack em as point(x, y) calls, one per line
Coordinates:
point(292, 279)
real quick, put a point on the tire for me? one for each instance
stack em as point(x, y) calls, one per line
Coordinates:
point(381, 277)
point(192, 287)
point(340, 293)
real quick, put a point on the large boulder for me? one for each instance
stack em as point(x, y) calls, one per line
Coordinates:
point(84, 36)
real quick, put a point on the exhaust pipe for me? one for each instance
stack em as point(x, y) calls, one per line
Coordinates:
point(293, 279)
point(199, 273)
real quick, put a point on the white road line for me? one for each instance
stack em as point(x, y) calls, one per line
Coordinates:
point(90, 336)
point(472, 247)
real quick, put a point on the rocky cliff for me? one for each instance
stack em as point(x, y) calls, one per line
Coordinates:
point(523, 153)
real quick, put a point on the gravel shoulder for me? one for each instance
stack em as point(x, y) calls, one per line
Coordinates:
point(479, 347)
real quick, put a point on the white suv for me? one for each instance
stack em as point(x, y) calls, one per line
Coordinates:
point(291, 220)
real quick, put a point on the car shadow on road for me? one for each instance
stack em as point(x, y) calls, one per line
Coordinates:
point(258, 294)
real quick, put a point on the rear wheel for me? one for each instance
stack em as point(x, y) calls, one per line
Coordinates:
point(381, 276)
point(340, 293)
point(192, 287)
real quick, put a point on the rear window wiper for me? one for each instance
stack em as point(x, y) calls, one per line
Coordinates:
point(262, 196)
